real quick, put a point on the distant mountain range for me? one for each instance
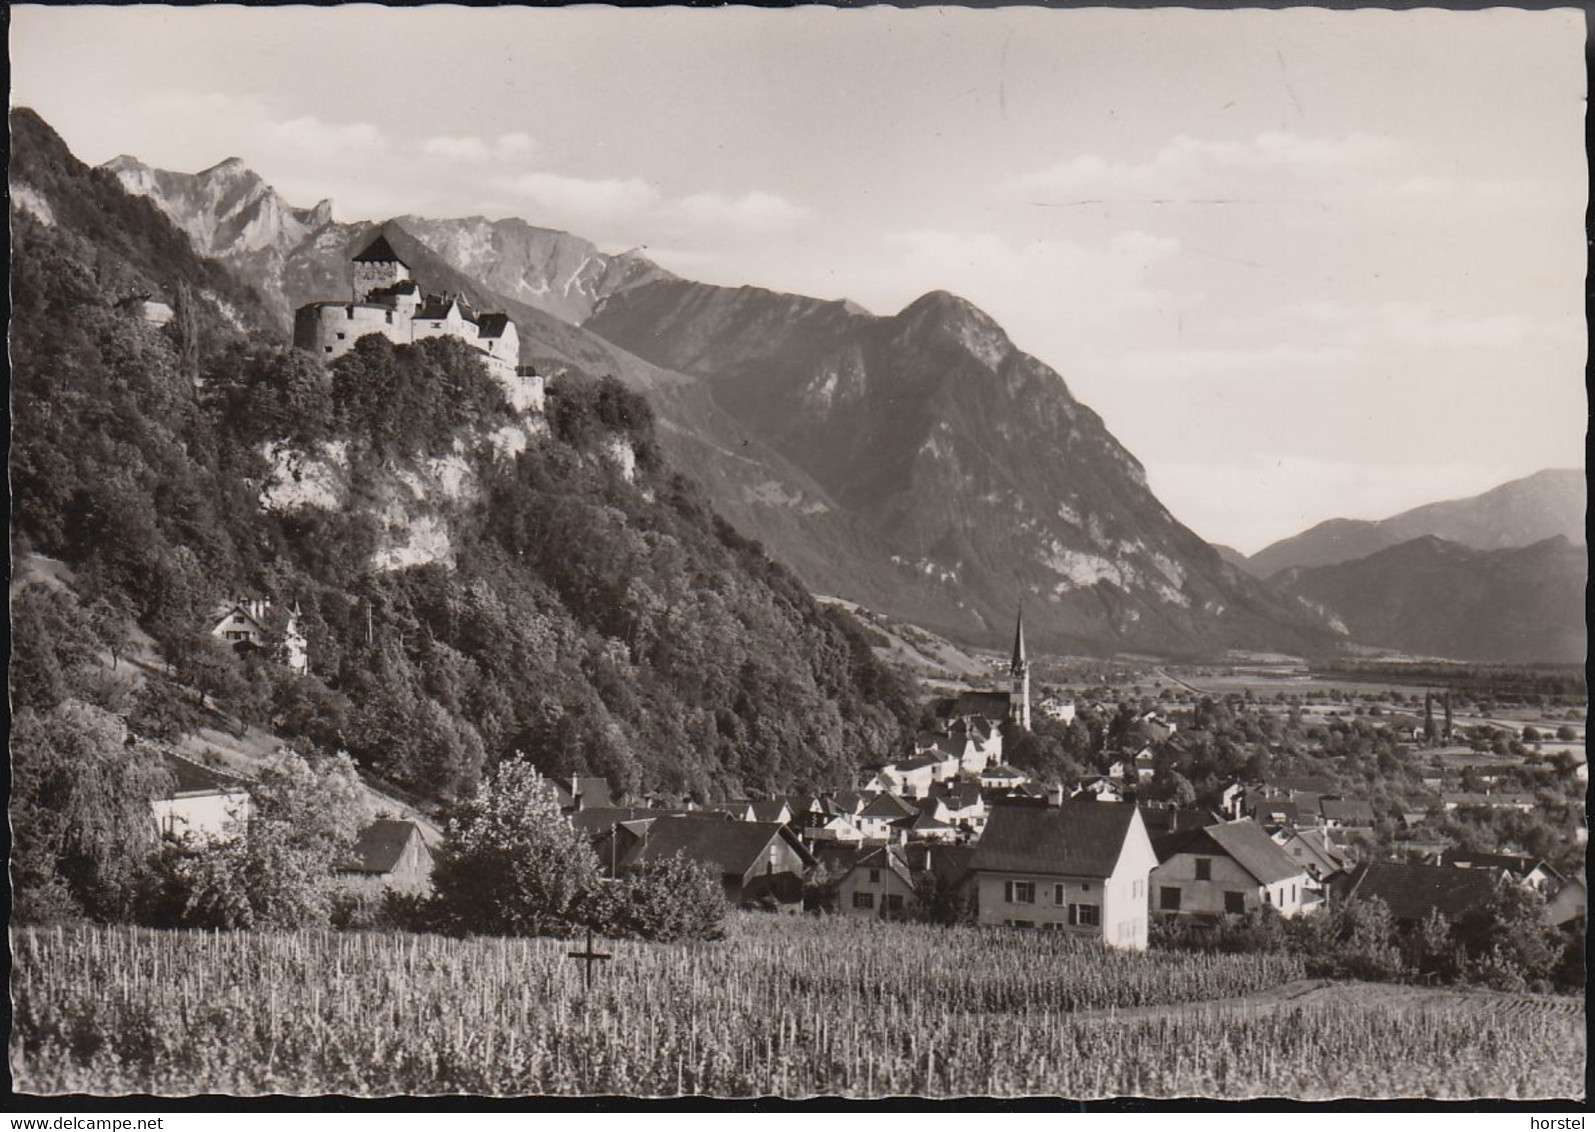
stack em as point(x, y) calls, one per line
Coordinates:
point(1436, 598)
point(1516, 514)
point(918, 463)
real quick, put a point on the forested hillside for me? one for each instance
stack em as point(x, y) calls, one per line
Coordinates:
point(575, 599)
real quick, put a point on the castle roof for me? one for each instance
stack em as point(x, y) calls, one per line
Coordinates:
point(492, 325)
point(379, 251)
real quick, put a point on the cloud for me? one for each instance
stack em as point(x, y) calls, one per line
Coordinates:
point(1193, 170)
point(477, 150)
point(754, 211)
point(317, 135)
point(580, 196)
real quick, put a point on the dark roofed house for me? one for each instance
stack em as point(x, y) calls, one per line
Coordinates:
point(876, 818)
point(1346, 813)
point(987, 705)
point(1413, 891)
point(1080, 866)
point(880, 885)
point(389, 853)
point(204, 804)
point(582, 792)
point(1228, 869)
point(758, 863)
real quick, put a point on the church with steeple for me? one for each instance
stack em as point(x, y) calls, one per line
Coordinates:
point(1019, 677)
point(999, 706)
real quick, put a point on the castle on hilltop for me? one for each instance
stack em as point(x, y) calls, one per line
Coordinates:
point(388, 302)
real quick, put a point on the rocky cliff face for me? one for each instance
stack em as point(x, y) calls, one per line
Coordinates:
point(296, 255)
point(968, 461)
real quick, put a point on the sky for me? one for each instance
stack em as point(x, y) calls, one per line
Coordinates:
point(1304, 263)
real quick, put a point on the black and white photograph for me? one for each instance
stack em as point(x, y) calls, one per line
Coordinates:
point(959, 554)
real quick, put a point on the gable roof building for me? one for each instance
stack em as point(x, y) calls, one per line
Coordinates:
point(1230, 868)
point(755, 861)
point(1412, 891)
point(1080, 866)
point(389, 853)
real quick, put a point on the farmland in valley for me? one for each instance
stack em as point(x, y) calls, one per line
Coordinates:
point(784, 1007)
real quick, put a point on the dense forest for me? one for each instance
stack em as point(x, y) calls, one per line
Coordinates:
point(599, 618)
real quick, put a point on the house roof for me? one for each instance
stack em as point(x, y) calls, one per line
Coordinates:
point(378, 251)
point(1412, 890)
point(597, 820)
point(1346, 809)
point(1002, 770)
point(992, 705)
point(492, 325)
point(948, 863)
point(928, 822)
point(1076, 838)
point(771, 811)
point(1316, 843)
point(1253, 850)
point(190, 777)
point(848, 802)
point(438, 306)
point(1266, 808)
point(1515, 863)
point(886, 857)
point(732, 847)
point(380, 846)
point(887, 806)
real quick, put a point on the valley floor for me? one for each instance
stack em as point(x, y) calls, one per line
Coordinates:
point(787, 1007)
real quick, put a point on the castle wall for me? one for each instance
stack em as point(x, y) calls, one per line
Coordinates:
point(330, 330)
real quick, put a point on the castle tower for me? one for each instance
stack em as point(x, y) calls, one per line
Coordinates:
point(377, 267)
point(1019, 672)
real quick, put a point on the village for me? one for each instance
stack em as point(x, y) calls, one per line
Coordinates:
point(953, 832)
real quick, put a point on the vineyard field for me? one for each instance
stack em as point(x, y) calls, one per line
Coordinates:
point(782, 1007)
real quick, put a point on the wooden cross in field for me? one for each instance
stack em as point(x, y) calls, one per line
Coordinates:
point(588, 957)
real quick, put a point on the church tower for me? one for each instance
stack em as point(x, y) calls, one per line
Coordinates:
point(1019, 672)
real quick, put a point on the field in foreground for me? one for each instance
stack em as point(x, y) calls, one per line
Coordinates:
point(782, 1007)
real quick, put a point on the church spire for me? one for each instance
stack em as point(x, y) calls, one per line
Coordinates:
point(1019, 673)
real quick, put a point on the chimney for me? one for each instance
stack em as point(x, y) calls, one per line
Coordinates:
point(1055, 795)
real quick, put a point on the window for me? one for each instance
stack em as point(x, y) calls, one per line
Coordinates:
point(328, 349)
point(1204, 868)
point(875, 876)
point(1168, 899)
point(1268, 896)
point(1085, 915)
point(1057, 895)
point(1019, 892)
point(863, 900)
point(341, 336)
point(1086, 887)
point(1021, 924)
point(1293, 894)
point(1234, 903)
point(894, 903)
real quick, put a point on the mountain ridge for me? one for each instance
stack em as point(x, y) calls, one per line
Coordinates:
point(1517, 513)
point(1431, 596)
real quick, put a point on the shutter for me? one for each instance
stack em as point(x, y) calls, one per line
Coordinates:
point(1007, 891)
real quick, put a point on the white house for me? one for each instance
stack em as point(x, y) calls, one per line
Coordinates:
point(879, 886)
point(1228, 870)
point(203, 804)
point(1081, 867)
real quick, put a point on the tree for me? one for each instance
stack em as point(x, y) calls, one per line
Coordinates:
point(305, 814)
point(511, 863)
point(672, 899)
point(80, 809)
